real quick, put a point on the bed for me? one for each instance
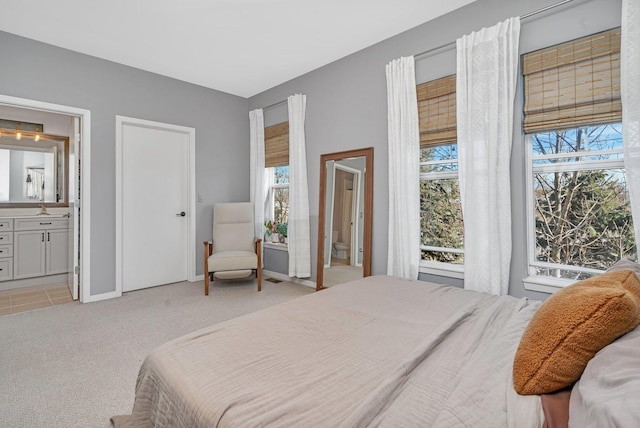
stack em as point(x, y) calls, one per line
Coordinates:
point(379, 351)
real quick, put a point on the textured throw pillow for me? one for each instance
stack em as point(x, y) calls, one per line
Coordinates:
point(571, 326)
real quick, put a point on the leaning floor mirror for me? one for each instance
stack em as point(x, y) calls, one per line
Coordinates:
point(344, 217)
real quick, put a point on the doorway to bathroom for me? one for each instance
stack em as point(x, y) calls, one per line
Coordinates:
point(47, 250)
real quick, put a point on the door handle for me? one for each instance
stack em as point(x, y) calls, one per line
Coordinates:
point(181, 214)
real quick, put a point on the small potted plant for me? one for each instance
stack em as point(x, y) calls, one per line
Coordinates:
point(268, 226)
point(282, 231)
point(271, 227)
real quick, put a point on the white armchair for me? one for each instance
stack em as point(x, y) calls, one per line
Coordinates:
point(234, 252)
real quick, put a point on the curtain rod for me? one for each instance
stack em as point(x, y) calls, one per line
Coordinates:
point(274, 105)
point(525, 16)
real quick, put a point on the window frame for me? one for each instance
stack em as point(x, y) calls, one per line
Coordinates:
point(545, 283)
point(272, 187)
point(451, 270)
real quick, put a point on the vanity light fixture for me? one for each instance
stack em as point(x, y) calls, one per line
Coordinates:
point(21, 129)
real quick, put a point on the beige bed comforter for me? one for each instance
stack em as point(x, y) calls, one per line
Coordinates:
point(380, 351)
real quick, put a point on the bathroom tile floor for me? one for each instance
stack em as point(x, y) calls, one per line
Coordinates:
point(28, 298)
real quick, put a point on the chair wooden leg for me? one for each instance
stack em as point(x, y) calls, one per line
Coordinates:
point(258, 245)
point(206, 268)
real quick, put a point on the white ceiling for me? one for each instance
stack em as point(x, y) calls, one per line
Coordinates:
point(242, 47)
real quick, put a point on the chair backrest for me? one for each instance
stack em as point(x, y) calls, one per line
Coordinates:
point(233, 227)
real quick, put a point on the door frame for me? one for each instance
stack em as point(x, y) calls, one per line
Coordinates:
point(121, 121)
point(85, 180)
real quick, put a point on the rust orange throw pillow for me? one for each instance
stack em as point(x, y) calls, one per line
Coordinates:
point(571, 326)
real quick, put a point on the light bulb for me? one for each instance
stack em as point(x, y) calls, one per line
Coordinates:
point(19, 135)
point(37, 138)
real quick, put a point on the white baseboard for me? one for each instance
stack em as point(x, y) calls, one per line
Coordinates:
point(283, 277)
point(198, 278)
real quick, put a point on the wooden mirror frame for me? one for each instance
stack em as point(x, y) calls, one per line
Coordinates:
point(65, 169)
point(368, 208)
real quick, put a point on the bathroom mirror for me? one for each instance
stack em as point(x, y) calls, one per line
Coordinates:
point(33, 170)
point(344, 217)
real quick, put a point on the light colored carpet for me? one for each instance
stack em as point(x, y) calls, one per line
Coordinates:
point(340, 274)
point(75, 365)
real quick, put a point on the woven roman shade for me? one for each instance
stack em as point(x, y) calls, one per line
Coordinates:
point(573, 84)
point(437, 111)
point(276, 145)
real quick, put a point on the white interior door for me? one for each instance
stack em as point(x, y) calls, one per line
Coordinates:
point(74, 210)
point(155, 186)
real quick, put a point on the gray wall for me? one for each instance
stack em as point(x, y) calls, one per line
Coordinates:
point(43, 72)
point(347, 109)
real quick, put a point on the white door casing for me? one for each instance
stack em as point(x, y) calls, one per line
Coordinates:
point(74, 209)
point(154, 184)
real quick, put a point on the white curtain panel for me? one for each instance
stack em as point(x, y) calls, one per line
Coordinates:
point(258, 178)
point(403, 254)
point(630, 91)
point(486, 81)
point(298, 232)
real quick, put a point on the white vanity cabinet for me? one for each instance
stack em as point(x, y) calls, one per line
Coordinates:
point(40, 247)
point(6, 249)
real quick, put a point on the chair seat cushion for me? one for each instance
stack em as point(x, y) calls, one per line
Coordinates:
point(232, 260)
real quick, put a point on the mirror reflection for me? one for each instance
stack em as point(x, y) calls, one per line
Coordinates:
point(344, 217)
point(32, 170)
point(344, 224)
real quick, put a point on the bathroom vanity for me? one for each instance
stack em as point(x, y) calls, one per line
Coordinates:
point(33, 246)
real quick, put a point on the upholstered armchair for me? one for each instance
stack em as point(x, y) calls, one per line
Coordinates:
point(234, 252)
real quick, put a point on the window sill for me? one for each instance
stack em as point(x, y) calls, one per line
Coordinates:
point(276, 246)
point(442, 269)
point(545, 284)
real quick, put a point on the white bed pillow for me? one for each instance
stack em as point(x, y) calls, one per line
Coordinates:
point(626, 263)
point(607, 393)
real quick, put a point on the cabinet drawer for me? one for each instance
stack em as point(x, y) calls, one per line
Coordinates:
point(6, 251)
point(6, 225)
point(6, 269)
point(40, 223)
point(6, 238)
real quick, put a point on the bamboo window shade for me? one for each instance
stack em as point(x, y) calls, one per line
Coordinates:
point(276, 145)
point(573, 84)
point(437, 111)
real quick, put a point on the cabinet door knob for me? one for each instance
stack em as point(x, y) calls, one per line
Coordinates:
point(181, 214)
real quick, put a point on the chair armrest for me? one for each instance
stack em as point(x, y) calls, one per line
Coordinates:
point(208, 247)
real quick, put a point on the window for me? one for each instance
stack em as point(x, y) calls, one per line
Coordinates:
point(578, 202)
point(279, 193)
point(276, 149)
point(441, 227)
